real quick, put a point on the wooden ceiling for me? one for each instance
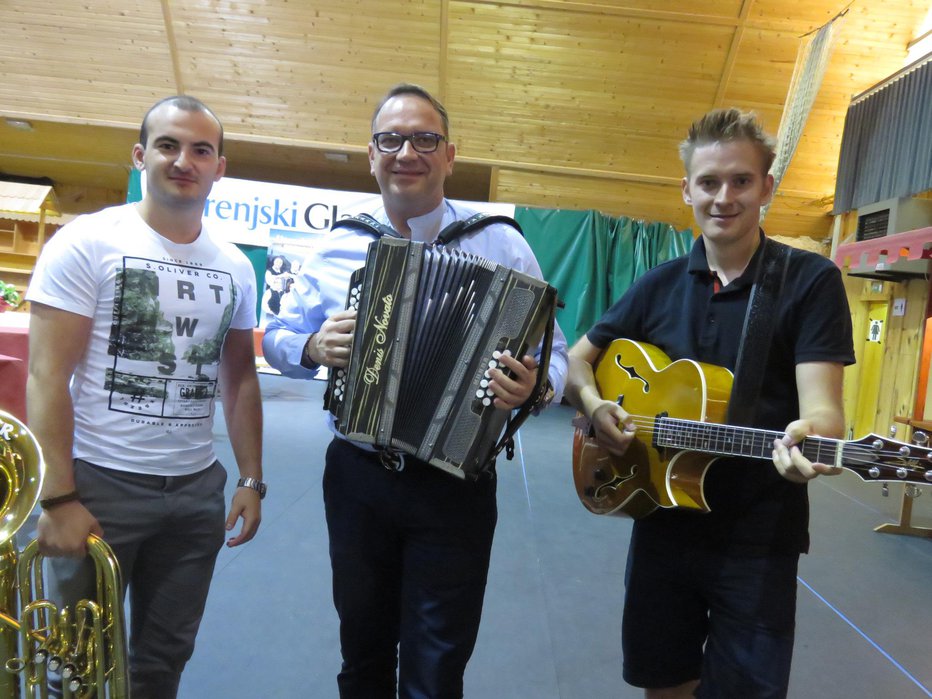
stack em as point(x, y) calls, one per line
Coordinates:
point(553, 103)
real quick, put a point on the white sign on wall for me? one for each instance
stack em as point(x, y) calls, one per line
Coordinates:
point(247, 212)
point(255, 213)
point(290, 221)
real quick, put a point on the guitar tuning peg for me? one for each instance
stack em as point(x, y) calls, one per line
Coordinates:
point(920, 439)
point(893, 430)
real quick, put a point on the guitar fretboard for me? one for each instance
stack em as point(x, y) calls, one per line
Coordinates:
point(729, 440)
point(872, 458)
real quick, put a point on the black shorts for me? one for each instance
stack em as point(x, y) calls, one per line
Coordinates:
point(696, 614)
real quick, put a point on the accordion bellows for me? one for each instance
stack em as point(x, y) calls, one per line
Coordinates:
point(430, 323)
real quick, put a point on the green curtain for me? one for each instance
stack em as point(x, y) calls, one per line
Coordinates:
point(592, 258)
point(134, 186)
point(259, 256)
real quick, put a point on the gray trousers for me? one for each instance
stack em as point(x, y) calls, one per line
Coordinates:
point(166, 532)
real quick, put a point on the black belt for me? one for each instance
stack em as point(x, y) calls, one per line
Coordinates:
point(391, 459)
point(397, 461)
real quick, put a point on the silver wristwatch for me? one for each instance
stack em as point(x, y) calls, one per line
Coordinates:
point(253, 483)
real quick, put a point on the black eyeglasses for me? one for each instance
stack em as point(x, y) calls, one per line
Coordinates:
point(421, 141)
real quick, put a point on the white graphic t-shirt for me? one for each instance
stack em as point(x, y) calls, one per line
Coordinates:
point(144, 392)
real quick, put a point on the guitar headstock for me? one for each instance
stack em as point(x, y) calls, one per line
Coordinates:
point(876, 458)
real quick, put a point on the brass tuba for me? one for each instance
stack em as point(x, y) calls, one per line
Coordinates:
point(86, 645)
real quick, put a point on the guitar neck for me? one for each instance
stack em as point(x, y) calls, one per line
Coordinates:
point(872, 458)
point(730, 440)
point(628, 368)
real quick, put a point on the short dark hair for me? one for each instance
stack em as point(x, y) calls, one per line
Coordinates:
point(417, 91)
point(723, 125)
point(185, 103)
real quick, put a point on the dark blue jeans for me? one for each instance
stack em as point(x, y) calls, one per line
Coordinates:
point(410, 555)
point(692, 613)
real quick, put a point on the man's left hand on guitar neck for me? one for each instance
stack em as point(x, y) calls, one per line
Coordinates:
point(790, 461)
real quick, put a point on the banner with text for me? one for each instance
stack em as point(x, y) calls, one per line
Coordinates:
point(289, 221)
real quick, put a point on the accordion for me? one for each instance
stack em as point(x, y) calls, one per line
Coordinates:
point(431, 322)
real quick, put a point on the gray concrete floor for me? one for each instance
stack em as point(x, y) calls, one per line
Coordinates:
point(552, 615)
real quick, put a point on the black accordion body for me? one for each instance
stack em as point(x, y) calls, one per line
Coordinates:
point(430, 323)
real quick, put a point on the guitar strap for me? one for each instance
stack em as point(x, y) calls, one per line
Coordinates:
point(757, 333)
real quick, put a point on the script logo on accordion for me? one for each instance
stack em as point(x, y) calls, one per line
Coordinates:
point(380, 323)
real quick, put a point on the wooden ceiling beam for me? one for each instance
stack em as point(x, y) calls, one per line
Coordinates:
point(70, 161)
point(732, 53)
point(599, 9)
point(741, 20)
point(443, 63)
point(172, 46)
point(640, 178)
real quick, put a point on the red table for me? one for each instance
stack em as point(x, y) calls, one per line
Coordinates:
point(14, 359)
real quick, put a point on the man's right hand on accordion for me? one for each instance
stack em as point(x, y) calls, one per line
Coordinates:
point(331, 345)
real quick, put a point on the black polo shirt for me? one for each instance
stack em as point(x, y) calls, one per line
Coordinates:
point(676, 307)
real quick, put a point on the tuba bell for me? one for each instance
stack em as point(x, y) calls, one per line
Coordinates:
point(86, 645)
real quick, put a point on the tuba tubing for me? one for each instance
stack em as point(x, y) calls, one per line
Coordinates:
point(90, 639)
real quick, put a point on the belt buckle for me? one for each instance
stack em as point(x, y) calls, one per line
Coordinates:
point(392, 460)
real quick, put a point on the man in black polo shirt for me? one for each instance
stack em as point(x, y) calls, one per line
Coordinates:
point(710, 598)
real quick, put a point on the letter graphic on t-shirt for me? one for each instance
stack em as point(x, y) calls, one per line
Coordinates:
point(168, 326)
point(185, 290)
point(185, 326)
point(139, 330)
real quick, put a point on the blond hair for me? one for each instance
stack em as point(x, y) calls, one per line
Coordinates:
point(724, 125)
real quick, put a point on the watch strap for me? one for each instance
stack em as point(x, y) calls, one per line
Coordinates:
point(253, 483)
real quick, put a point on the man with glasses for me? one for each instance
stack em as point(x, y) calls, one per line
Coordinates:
point(409, 547)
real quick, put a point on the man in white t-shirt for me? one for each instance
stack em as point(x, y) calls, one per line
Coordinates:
point(140, 320)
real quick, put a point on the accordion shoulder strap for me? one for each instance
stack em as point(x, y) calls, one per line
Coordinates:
point(457, 229)
point(365, 222)
point(474, 223)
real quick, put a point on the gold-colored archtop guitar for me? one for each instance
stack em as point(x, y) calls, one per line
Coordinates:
point(678, 408)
